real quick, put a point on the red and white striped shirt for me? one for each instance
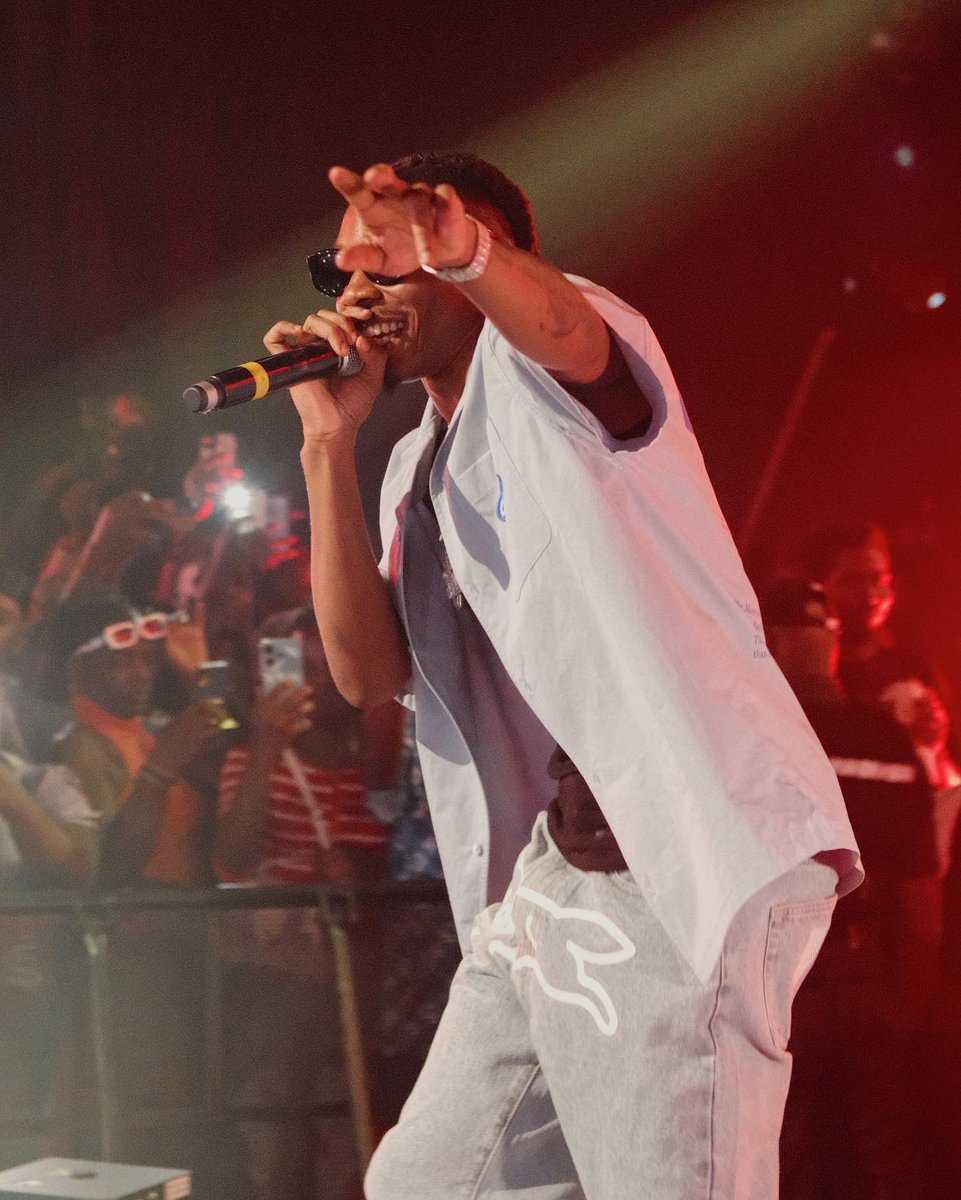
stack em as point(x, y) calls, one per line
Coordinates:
point(290, 853)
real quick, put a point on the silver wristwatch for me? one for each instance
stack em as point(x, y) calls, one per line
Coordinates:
point(477, 265)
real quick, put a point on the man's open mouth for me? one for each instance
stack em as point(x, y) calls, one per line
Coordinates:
point(384, 331)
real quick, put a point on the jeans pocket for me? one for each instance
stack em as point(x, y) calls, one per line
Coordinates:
point(795, 933)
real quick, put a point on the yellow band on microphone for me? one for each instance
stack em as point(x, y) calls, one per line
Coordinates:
point(261, 378)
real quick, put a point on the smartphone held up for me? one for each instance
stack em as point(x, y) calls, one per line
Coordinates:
point(281, 660)
point(212, 690)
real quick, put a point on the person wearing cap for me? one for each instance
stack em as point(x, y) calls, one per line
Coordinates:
point(853, 563)
point(849, 1121)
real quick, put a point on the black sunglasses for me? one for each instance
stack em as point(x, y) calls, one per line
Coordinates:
point(328, 278)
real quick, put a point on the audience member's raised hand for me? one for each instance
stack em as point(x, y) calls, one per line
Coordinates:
point(279, 716)
point(185, 738)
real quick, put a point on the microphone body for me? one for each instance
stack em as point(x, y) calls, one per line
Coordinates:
point(250, 381)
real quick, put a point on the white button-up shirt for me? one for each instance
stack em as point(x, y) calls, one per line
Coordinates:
point(610, 598)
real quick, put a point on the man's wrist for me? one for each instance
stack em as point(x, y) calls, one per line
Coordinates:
point(329, 445)
point(477, 265)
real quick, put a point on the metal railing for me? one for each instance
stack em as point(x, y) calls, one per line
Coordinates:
point(94, 915)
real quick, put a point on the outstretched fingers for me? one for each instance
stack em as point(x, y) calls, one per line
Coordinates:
point(400, 222)
point(418, 202)
point(438, 223)
point(379, 182)
point(351, 186)
point(384, 180)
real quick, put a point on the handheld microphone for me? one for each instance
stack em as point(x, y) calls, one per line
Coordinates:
point(250, 381)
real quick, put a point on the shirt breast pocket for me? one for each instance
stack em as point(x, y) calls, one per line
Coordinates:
point(500, 531)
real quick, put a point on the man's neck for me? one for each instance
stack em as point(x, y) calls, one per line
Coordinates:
point(445, 402)
point(446, 388)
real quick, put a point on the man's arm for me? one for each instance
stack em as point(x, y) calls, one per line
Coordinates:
point(99, 770)
point(547, 318)
point(130, 839)
point(364, 642)
point(133, 810)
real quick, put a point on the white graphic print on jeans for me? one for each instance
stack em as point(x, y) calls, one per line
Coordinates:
point(593, 996)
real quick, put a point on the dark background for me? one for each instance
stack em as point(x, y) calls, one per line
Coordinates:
point(165, 174)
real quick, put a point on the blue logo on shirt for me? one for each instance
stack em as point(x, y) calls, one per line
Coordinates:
point(500, 500)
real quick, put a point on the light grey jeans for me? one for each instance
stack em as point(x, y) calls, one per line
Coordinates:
point(579, 1055)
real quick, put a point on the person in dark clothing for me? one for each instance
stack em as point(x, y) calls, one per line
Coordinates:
point(849, 1123)
point(853, 564)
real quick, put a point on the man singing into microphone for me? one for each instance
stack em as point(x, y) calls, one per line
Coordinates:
point(561, 602)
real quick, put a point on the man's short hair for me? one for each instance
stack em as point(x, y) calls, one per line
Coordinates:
point(474, 179)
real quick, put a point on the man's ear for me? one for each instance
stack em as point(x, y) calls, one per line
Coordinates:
point(492, 217)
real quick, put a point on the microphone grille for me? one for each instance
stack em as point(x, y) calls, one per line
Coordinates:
point(351, 364)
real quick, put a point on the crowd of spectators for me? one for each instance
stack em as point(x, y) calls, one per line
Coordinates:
point(141, 746)
point(127, 760)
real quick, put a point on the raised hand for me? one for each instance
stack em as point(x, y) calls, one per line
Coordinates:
point(398, 227)
point(334, 405)
point(931, 724)
point(185, 738)
point(279, 716)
